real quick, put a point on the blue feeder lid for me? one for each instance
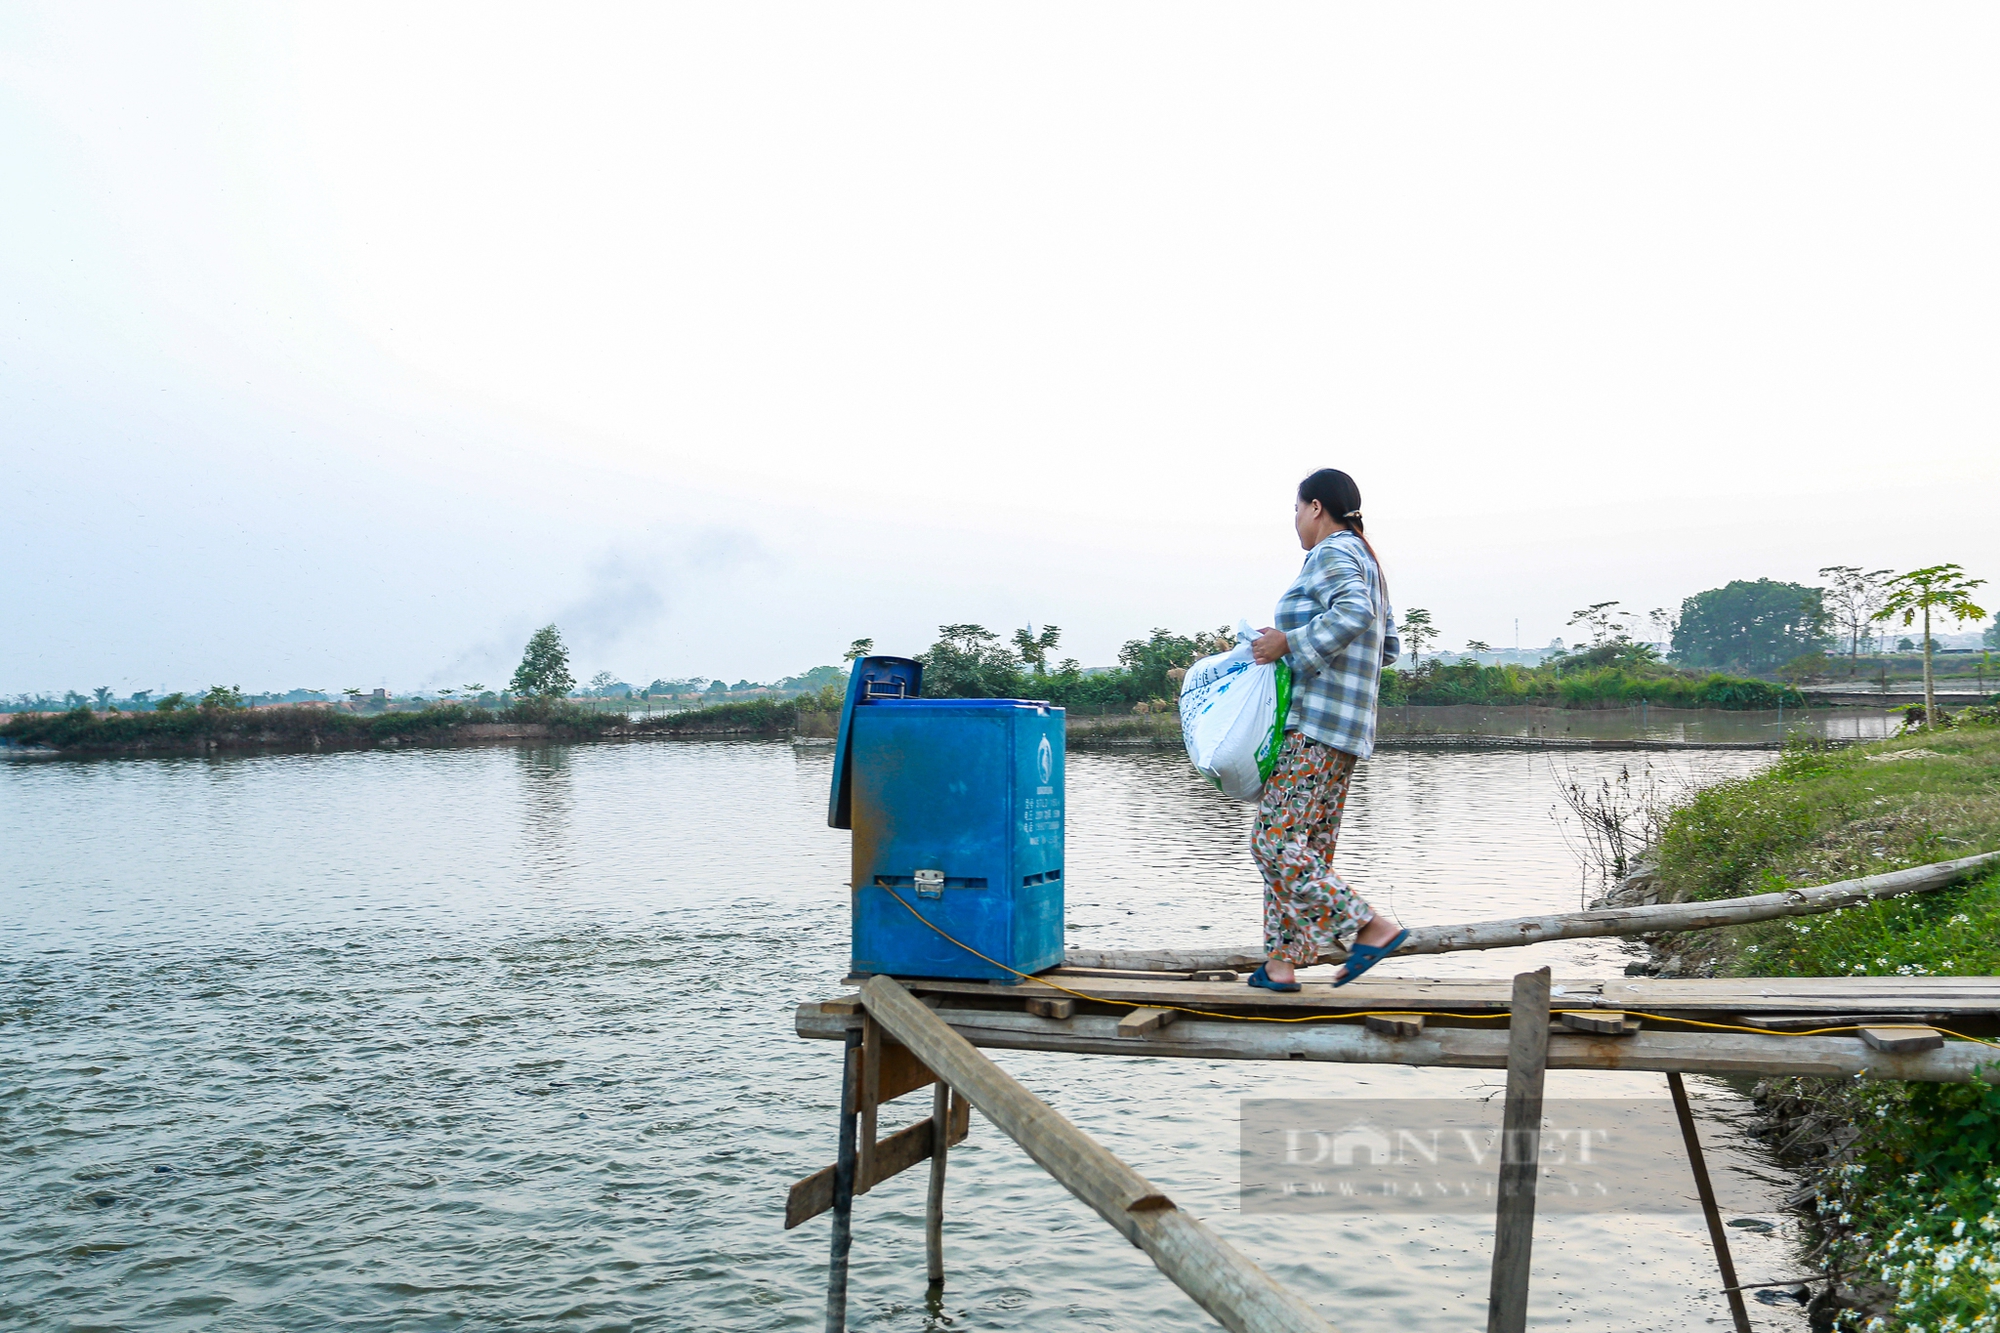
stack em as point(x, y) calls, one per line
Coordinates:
point(873, 678)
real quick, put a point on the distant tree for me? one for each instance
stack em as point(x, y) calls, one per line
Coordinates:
point(71, 699)
point(141, 698)
point(1602, 622)
point(1418, 632)
point(171, 703)
point(103, 693)
point(1853, 596)
point(1906, 645)
point(1034, 649)
point(1148, 662)
point(717, 687)
point(221, 697)
point(1940, 588)
point(816, 679)
point(1991, 638)
point(858, 649)
point(1477, 646)
point(544, 670)
point(1746, 626)
point(1803, 669)
point(969, 662)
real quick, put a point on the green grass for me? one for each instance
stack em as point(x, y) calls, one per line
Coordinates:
point(1825, 814)
point(1918, 1206)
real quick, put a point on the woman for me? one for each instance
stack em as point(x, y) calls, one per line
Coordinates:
point(1337, 631)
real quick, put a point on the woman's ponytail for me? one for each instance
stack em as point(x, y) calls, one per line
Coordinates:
point(1341, 499)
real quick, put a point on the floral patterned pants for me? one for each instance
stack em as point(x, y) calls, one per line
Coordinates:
point(1307, 907)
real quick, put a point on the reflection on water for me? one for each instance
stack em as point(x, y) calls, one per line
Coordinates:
point(547, 804)
point(502, 1039)
point(1641, 722)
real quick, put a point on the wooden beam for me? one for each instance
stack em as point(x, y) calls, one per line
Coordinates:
point(1660, 918)
point(1717, 1235)
point(1451, 1047)
point(1240, 1295)
point(810, 1197)
point(1051, 1006)
point(1520, 1154)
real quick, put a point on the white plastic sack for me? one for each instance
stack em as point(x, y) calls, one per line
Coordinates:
point(1233, 717)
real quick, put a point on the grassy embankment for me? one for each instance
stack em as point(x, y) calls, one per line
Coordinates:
point(1913, 1201)
point(81, 729)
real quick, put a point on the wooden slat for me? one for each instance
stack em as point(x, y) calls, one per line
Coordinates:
point(1395, 1025)
point(902, 1073)
point(1455, 1047)
point(1141, 1021)
point(1902, 1040)
point(897, 1153)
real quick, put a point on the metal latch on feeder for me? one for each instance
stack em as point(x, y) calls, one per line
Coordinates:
point(930, 883)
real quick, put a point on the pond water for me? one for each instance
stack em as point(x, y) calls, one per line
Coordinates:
point(502, 1038)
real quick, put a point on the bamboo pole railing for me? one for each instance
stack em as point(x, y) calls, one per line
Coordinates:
point(1513, 931)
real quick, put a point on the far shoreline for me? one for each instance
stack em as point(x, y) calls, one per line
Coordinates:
point(1403, 727)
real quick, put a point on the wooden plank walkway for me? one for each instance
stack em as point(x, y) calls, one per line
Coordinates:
point(1717, 999)
point(1672, 1037)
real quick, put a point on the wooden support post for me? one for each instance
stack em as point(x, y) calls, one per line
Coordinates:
point(934, 1204)
point(1717, 1236)
point(871, 1101)
point(843, 1187)
point(1520, 1153)
point(1240, 1295)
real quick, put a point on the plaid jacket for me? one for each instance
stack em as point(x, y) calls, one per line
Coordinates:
point(1342, 631)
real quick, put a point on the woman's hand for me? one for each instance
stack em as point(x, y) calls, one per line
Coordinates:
point(1269, 646)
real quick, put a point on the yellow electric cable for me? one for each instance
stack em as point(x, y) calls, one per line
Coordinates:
point(1372, 1013)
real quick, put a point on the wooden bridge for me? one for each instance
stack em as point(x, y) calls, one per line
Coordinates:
point(903, 1035)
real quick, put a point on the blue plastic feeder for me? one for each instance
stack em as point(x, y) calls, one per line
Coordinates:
point(957, 812)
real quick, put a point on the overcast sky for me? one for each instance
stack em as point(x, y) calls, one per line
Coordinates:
point(344, 345)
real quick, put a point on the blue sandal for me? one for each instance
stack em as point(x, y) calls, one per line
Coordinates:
point(1364, 956)
point(1262, 978)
